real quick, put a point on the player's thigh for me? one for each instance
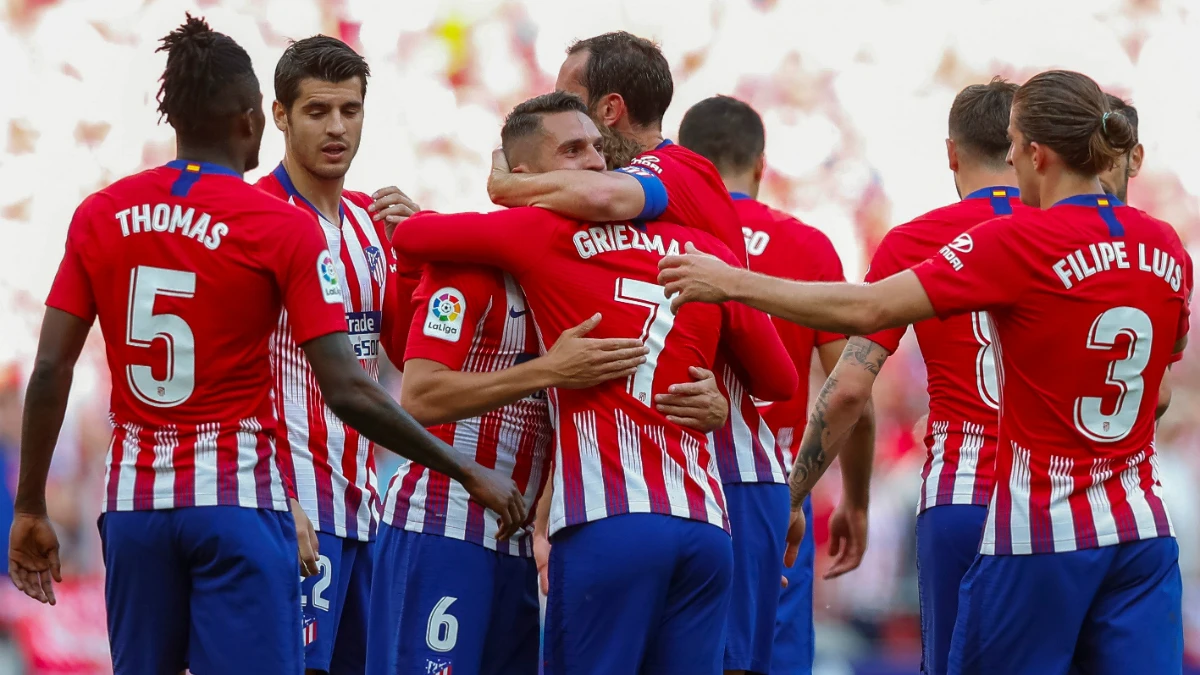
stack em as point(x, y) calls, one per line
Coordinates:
point(609, 581)
point(322, 600)
point(1022, 614)
point(758, 520)
point(947, 541)
point(246, 615)
point(146, 592)
point(690, 639)
point(511, 647)
point(795, 637)
point(431, 603)
point(350, 647)
point(1135, 623)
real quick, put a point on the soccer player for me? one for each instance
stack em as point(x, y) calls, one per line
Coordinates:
point(320, 84)
point(1088, 303)
point(186, 268)
point(730, 133)
point(640, 566)
point(1116, 179)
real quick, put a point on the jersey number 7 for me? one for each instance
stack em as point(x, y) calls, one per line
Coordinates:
point(654, 332)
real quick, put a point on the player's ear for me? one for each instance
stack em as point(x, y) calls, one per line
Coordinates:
point(611, 109)
point(279, 113)
point(760, 167)
point(952, 155)
point(1135, 160)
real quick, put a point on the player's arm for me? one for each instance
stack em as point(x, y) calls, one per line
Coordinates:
point(363, 404)
point(585, 195)
point(512, 240)
point(33, 551)
point(853, 309)
point(435, 393)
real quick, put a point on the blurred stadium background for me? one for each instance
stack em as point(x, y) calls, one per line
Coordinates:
point(854, 95)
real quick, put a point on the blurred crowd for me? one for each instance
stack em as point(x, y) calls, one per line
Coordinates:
point(854, 97)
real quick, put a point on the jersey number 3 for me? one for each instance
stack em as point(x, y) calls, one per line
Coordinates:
point(1124, 374)
point(144, 327)
point(654, 332)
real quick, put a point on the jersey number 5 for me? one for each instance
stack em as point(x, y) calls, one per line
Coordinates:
point(1124, 374)
point(144, 327)
point(654, 332)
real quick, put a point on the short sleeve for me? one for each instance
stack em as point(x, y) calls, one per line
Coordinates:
point(72, 289)
point(308, 279)
point(884, 264)
point(653, 189)
point(980, 269)
point(447, 307)
point(1184, 326)
point(830, 270)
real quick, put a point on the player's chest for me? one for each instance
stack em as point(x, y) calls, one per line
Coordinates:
point(506, 331)
point(362, 269)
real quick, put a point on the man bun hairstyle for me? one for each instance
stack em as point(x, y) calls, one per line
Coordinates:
point(634, 67)
point(1125, 108)
point(208, 78)
point(1068, 113)
point(978, 122)
point(726, 131)
point(319, 57)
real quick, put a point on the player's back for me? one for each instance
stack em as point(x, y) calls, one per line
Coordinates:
point(962, 380)
point(1091, 303)
point(182, 266)
point(781, 246)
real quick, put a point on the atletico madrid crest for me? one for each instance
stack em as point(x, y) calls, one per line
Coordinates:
point(310, 630)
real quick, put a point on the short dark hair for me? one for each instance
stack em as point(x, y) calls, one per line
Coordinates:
point(979, 120)
point(208, 79)
point(526, 118)
point(318, 57)
point(634, 67)
point(1067, 112)
point(726, 131)
point(1125, 108)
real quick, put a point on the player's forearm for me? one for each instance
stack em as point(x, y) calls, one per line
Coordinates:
point(852, 309)
point(541, 517)
point(584, 195)
point(858, 459)
point(45, 406)
point(450, 395)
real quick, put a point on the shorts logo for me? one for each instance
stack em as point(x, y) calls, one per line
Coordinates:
point(376, 264)
point(437, 667)
point(310, 630)
point(446, 309)
point(328, 278)
point(963, 243)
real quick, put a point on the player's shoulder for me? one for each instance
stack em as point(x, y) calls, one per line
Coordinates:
point(708, 243)
point(1150, 223)
point(359, 199)
point(463, 275)
point(668, 153)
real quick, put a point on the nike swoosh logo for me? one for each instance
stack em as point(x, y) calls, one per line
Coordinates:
point(512, 311)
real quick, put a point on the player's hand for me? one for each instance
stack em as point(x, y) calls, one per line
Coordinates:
point(498, 178)
point(306, 540)
point(391, 206)
point(696, 405)
point(33, 556)
point(847, 539)
point(498, 493)
point(694, 277)
point(578, 362)
point(541, 555)
point(795, 535)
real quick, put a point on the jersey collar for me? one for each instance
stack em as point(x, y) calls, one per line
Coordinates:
point(739, 195)
point(665, 143)
point(289, 187)
point(201, 167)
point(1104, 206)
point(999, 196)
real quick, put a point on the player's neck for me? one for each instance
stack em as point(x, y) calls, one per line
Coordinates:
point(647, 137)
point(323, 193)
point(1066, 185)
point(973, 181)
point(743, 183)
point(219, 156)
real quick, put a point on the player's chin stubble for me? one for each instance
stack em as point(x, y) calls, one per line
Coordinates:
point(618, 150)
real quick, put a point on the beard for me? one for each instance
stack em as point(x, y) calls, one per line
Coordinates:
point(618, 150)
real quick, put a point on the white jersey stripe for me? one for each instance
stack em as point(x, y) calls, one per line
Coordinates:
point(672, 476)
point(247, 459)
point(206, 464)
point(1062, 519)
point(1020, 522)
point(1136, 498)
point(630, 447)
point(589, 459)
point(127, 472)
point(937, 462)
point(165, 443)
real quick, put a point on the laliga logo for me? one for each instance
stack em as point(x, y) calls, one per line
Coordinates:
point(446, 307)
point(963, 243)
point(327, 271)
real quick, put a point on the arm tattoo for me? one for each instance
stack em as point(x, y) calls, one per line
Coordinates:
point(811, 459)
point(862, 352)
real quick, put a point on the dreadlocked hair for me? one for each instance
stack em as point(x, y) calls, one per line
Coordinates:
point(207, 79)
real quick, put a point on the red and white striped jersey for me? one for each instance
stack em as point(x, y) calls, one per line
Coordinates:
point(963, 384)
point(1088, 302)
point(474, 319)
point(333, 465)
point(614, 453)
point(186, 267)
point(757, 444)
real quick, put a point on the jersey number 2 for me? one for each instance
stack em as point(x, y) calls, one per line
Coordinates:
point(144, 327)
point(654, 332)
point(1124, 374)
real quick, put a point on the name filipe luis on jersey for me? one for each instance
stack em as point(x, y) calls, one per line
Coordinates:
point(174, 219)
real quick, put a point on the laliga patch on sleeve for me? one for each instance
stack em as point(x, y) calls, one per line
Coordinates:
point(445, 319)
point(327, 276)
